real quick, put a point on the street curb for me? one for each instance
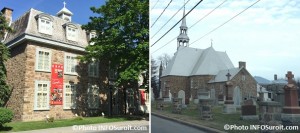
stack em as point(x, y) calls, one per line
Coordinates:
point(200, 127)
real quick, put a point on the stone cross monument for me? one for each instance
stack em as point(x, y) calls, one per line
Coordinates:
point(291, 109)
point(229, 106)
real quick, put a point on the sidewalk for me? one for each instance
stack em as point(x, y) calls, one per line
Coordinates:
point(125, 126)
point(185, 121)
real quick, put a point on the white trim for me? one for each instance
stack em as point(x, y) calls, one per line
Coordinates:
point(95, 75)
point(64, 96)
point(35, 95)
point(65, 65)
point(37, 56)
point(47, 41)
point(91, 104)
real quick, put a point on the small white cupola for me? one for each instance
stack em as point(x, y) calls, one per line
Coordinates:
point(65, 13)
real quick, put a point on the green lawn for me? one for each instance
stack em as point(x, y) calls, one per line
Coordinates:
point(191, 114)
point(23, 126)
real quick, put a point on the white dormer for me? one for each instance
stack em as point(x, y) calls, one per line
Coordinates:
point(45, 23)
point(71, 31)
point(65, 13)
point(92, 34)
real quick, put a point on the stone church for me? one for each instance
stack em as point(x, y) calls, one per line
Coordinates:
point(46, 77)
point(201, 73)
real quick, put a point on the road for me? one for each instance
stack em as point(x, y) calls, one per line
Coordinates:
point(160, 125)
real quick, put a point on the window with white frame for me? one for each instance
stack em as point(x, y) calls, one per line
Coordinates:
point(43, 60)
point(93, 69)
point(45, 25)
point(112, 74)
point(41, 100)
point(71, 32)
point(70, 64)
point(92, 35)
point(69, 96)
point(93, 96)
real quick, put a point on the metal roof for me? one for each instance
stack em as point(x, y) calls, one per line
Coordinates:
point(189, 61)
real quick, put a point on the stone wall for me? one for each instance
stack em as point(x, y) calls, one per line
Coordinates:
point(22, 76)
point(199, 83)
point(15, 79)
point(246, 84)
point(175, 83)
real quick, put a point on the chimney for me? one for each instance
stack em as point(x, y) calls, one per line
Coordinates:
point(7, 12)
point(242, 64)
point(275, 76)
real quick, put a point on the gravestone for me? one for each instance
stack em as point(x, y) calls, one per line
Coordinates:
point(291, 109)
point(229, 106)
point(249, 110)
point(177, 105)
point(170, 96)
point(237, 98)
point(205, 109)
point(181, 94)
point(270, 113)
point(213, 96)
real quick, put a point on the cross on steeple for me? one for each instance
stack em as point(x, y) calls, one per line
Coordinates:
point(290, 77)
point(228, 76)
point(65, 4)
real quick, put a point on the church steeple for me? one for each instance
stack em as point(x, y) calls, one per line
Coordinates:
point(183, 39)
point(65, 13)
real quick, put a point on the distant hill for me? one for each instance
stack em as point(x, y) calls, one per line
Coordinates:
point(261, 80)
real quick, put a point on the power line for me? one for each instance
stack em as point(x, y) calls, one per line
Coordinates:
point(207, 14)
point(226, 22)
point(155, 4)
point(169, 19)
point(193, 24)
point(162, 13)
point(177, 22)
point(213, 29)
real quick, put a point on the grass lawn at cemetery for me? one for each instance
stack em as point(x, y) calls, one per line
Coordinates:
point(191, 114)
point(24, 126)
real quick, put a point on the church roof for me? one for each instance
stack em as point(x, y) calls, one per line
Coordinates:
point(221, 76)
point(192, 61)
point(64, 10)
point(27, 25)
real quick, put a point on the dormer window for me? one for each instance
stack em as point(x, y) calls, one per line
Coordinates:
point(45, 23)
point(71, 31)
point(92, 35)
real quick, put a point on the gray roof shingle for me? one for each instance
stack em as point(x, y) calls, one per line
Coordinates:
point(192, 61)
point(28, 24)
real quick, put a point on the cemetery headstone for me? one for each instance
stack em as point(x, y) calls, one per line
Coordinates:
point(177, 105)
point(269, 113)
point(229, 106)
point(181, 94)
point(291, 109)
point(249, 110)
point(205, 109)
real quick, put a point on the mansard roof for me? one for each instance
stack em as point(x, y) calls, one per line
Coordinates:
point(27, 26)
point(189, 61)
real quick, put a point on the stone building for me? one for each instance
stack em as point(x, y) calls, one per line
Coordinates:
point(201, 73)
point(45, 75)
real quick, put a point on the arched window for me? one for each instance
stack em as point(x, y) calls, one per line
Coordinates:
point(45, 23)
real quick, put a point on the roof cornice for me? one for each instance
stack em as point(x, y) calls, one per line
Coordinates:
point(25, 37)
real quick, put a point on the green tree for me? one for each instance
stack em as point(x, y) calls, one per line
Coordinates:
point(4, 54)
point(122, 28)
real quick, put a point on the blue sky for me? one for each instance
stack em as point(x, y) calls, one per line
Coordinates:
point(80, 8)
point(266, 36)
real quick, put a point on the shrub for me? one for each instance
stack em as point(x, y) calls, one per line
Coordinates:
point(6, 116)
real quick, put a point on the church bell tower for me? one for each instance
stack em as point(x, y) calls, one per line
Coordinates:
point(183, 39)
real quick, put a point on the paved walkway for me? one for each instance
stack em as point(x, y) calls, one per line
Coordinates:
point(136, 126)
point(184, 121)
